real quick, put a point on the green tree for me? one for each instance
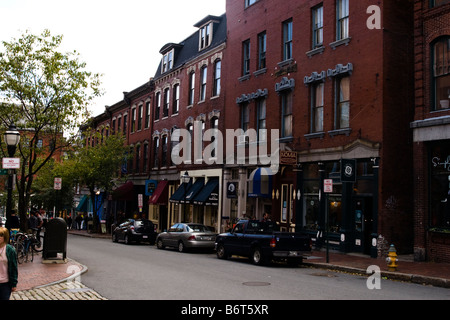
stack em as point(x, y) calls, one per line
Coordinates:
point(45, 93)
point(97, 167)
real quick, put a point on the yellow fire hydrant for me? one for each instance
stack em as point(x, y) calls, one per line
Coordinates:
point(391, 259)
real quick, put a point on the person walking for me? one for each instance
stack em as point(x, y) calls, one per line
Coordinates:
point(8, 266)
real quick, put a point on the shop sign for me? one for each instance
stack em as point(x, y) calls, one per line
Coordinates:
point(231, 190)
point(288, 158)
point(348, 170)
point(150, 187)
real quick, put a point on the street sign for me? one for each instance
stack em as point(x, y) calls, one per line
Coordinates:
point(3, 172)
point(328, 185)
point(57, 184)
point(11, 163)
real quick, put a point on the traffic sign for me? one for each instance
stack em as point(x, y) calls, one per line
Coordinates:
point(11, 163)
point(57, 184)
point(328, 185)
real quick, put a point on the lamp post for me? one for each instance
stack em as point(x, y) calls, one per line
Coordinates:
point(185, 179)
point(12, 138)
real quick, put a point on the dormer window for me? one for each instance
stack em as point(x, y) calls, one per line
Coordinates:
point(205, 36)
point(167, 62)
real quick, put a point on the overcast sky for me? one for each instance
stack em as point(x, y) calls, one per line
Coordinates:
point(120, 39)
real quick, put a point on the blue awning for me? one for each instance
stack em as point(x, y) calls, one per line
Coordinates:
point(193, 190)
point(178, 195)
point(260, 184)
point(209, 195)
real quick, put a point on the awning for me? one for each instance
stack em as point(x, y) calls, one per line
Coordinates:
point(124, 192)
point(178, 195)
point(194, 190)
point(83, 205)
point(260, 184)
point(209, 195)
point(161, 193)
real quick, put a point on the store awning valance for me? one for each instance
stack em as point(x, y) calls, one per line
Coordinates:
point(209, 195)
point(260, 183)
point(124, 192)
point(194, 190)
point(161, 193)
point(178, 195)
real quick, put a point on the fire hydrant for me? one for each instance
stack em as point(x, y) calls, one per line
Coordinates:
point(391, 259)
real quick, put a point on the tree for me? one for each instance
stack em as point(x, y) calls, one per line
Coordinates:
point(45, 93)
point(97, 167)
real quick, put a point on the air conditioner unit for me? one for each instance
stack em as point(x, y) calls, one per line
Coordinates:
point(242, 139)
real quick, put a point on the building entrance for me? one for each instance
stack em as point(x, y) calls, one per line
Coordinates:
point(363, 223)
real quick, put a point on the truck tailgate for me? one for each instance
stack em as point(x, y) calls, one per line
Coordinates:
point(292, 241)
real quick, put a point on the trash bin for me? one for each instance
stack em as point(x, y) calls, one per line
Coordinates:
point(55, 239)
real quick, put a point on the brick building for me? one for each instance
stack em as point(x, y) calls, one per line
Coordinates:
point(431, 130)
point(334, 78)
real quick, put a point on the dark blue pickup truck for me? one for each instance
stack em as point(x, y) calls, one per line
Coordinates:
point(262, 243)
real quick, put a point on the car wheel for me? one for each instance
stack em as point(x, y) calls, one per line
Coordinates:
point(159, 244)
point(114, 237)
point(181, 247)
point(221, 253)
point(257, 257)
point(127, 239)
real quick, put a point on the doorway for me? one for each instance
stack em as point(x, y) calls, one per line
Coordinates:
point(363, 223)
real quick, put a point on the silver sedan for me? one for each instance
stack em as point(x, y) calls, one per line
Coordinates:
point(185, 236)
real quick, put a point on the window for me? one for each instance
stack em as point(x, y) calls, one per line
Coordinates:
point(441, 73)
point(138, 158)
point(262, 46)
point(436, 3)
point(342, 19)
point(343, 103)
point(287, 40)
point(167, 62)
point(164, 151)
point(245, 116)
point(133, 119)
point(147, 115)
point(113, 127)
point(317, 107)
point(261, 117)
point(166, 102)
point(286, 114)
point(125, 123)
point(140, 116)
point(203, 79)
point(317, 27)
point(145, 164)
point(215, 127)
point(157, 105)
point(246, 57)
point(205, 36)
point(155, 152)
point(176, 99)
point(217, 76)
point(119, 123)
point(130, 166)
point(191, 88)
point(250, 2)
point(439, 186)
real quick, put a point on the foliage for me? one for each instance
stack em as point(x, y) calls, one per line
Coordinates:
point(45, 93)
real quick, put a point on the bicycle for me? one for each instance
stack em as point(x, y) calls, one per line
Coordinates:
point(23, 248)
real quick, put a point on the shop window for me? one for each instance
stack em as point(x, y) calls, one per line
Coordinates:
point(440, 186)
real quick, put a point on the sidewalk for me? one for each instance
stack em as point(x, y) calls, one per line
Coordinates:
point(36, 274)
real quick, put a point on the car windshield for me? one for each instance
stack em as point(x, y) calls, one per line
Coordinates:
point(196, 228)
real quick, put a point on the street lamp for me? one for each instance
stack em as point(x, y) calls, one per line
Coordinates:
point(185, 179)
point(12, 138)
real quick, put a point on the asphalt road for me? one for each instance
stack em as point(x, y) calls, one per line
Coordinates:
point(142, 272)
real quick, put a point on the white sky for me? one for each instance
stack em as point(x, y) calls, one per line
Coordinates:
point(120, 39)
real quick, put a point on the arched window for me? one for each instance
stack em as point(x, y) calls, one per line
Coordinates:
point(204, 77)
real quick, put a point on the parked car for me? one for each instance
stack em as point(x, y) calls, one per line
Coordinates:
point(185, 236)
point(140, 230)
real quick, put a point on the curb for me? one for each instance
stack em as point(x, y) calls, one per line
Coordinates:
point(406, 277)
point(72, 277)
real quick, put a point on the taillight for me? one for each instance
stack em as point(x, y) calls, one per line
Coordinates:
point(273, 243)
point(191, 238)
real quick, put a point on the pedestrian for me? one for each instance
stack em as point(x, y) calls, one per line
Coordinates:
point(12, 222)
point(8, 266)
